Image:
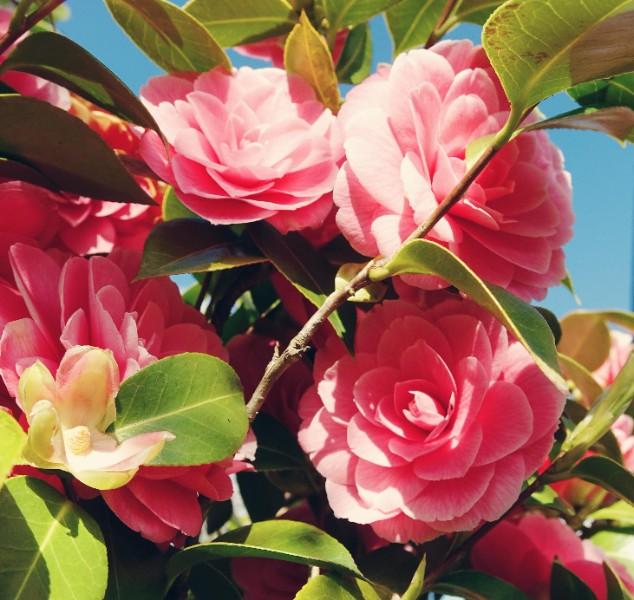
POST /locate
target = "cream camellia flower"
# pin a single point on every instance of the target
(68, 416)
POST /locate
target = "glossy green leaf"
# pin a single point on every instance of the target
(261, 498)
(13, 170)
(194, 246)
(196, 397)
(68, 152)
(584, 381)
(59, 59)
(306, 54)
(474, 11)
(541, 47)
(585, 338)
(615, 121)
(206, 582)
(23, 10)
(172, 207)
(49, 547)
(355, 62)
(618, 546)
(171, 37)
(415, 588)
(526, 324)
(347, 13)
(290, 541)
(565, 585)
(411, 22)
(234, 22)
(278, 449)
(12, 442)
(548, 500)
(333, 587)
(615, 91)
(615, 589)
(608, 407)
(622, 512)
(474, 585)
(607, 473)
(297, 260)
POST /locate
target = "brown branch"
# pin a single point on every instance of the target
(9, 38)
(438, 31)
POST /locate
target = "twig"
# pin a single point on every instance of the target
(33, 19)
(438, 31)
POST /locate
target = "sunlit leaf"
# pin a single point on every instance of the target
(171, 37)
(49, 547)
(12, 442)
(608, 474)
(527, 325)
(67, 152)
(541, 47)
(415, 589)
(411, 22)
(59, 59)
(194, 246)
(474, 11)
(582, 378)
(615, 91)
(234, 22)
(196, 397)
(618, 545)
(347, 13)
(333, 587)
(306, 54)
(622, 512)
(172, 207)
(585, 338)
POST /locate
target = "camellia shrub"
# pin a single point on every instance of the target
(356, 397)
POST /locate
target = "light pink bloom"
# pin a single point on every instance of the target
(620, 350)
(406, 130)
(57, 307)
(69, 414)
(434, 423)
(522, 551)
(245, 146)
(30, 85)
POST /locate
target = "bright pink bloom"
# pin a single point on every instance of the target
(434, 423)
(620, 350)
(30, 85)
(272, 49)
(93, 302)
(406, 130)
(245, 146)
(522, 552)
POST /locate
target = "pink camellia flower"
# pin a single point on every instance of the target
(93, 302)
(434, 423)
(68, 417)
(244, 146)
(272, 49)
(406, 130)
(30, 85)
(522, 552)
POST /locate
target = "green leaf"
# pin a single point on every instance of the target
(194, 246)
(261, 498)
(582, 378)
(378, 567)
(49, 547)
(169, 36)
(541, 47)
(371, 293)
(278, 450)
(290, 541)
(235, 22)
(615, 121)
(23, 10)
(196, 397)
(306, 54)
(620, 511)
(172, 207)
(615, 590)
(347, 13)
(355, 62)
(59, 59)
(67, 152)
(607, 409)
(565, 585)
(12, 442)
(607, 473)
(474, 11)
(297, 260)
(548, 500)
(12, 170)
(616, 91)
(415, 588)
(618, 545)
(585, 338)
(333, 587)
(411, 22)
(474, 585)
(207, 582)
(522, 320)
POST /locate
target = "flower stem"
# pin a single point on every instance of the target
(9, 38)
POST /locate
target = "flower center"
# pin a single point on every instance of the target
(424, 410)
(78, 439)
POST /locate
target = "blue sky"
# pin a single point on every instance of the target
(600, 254)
